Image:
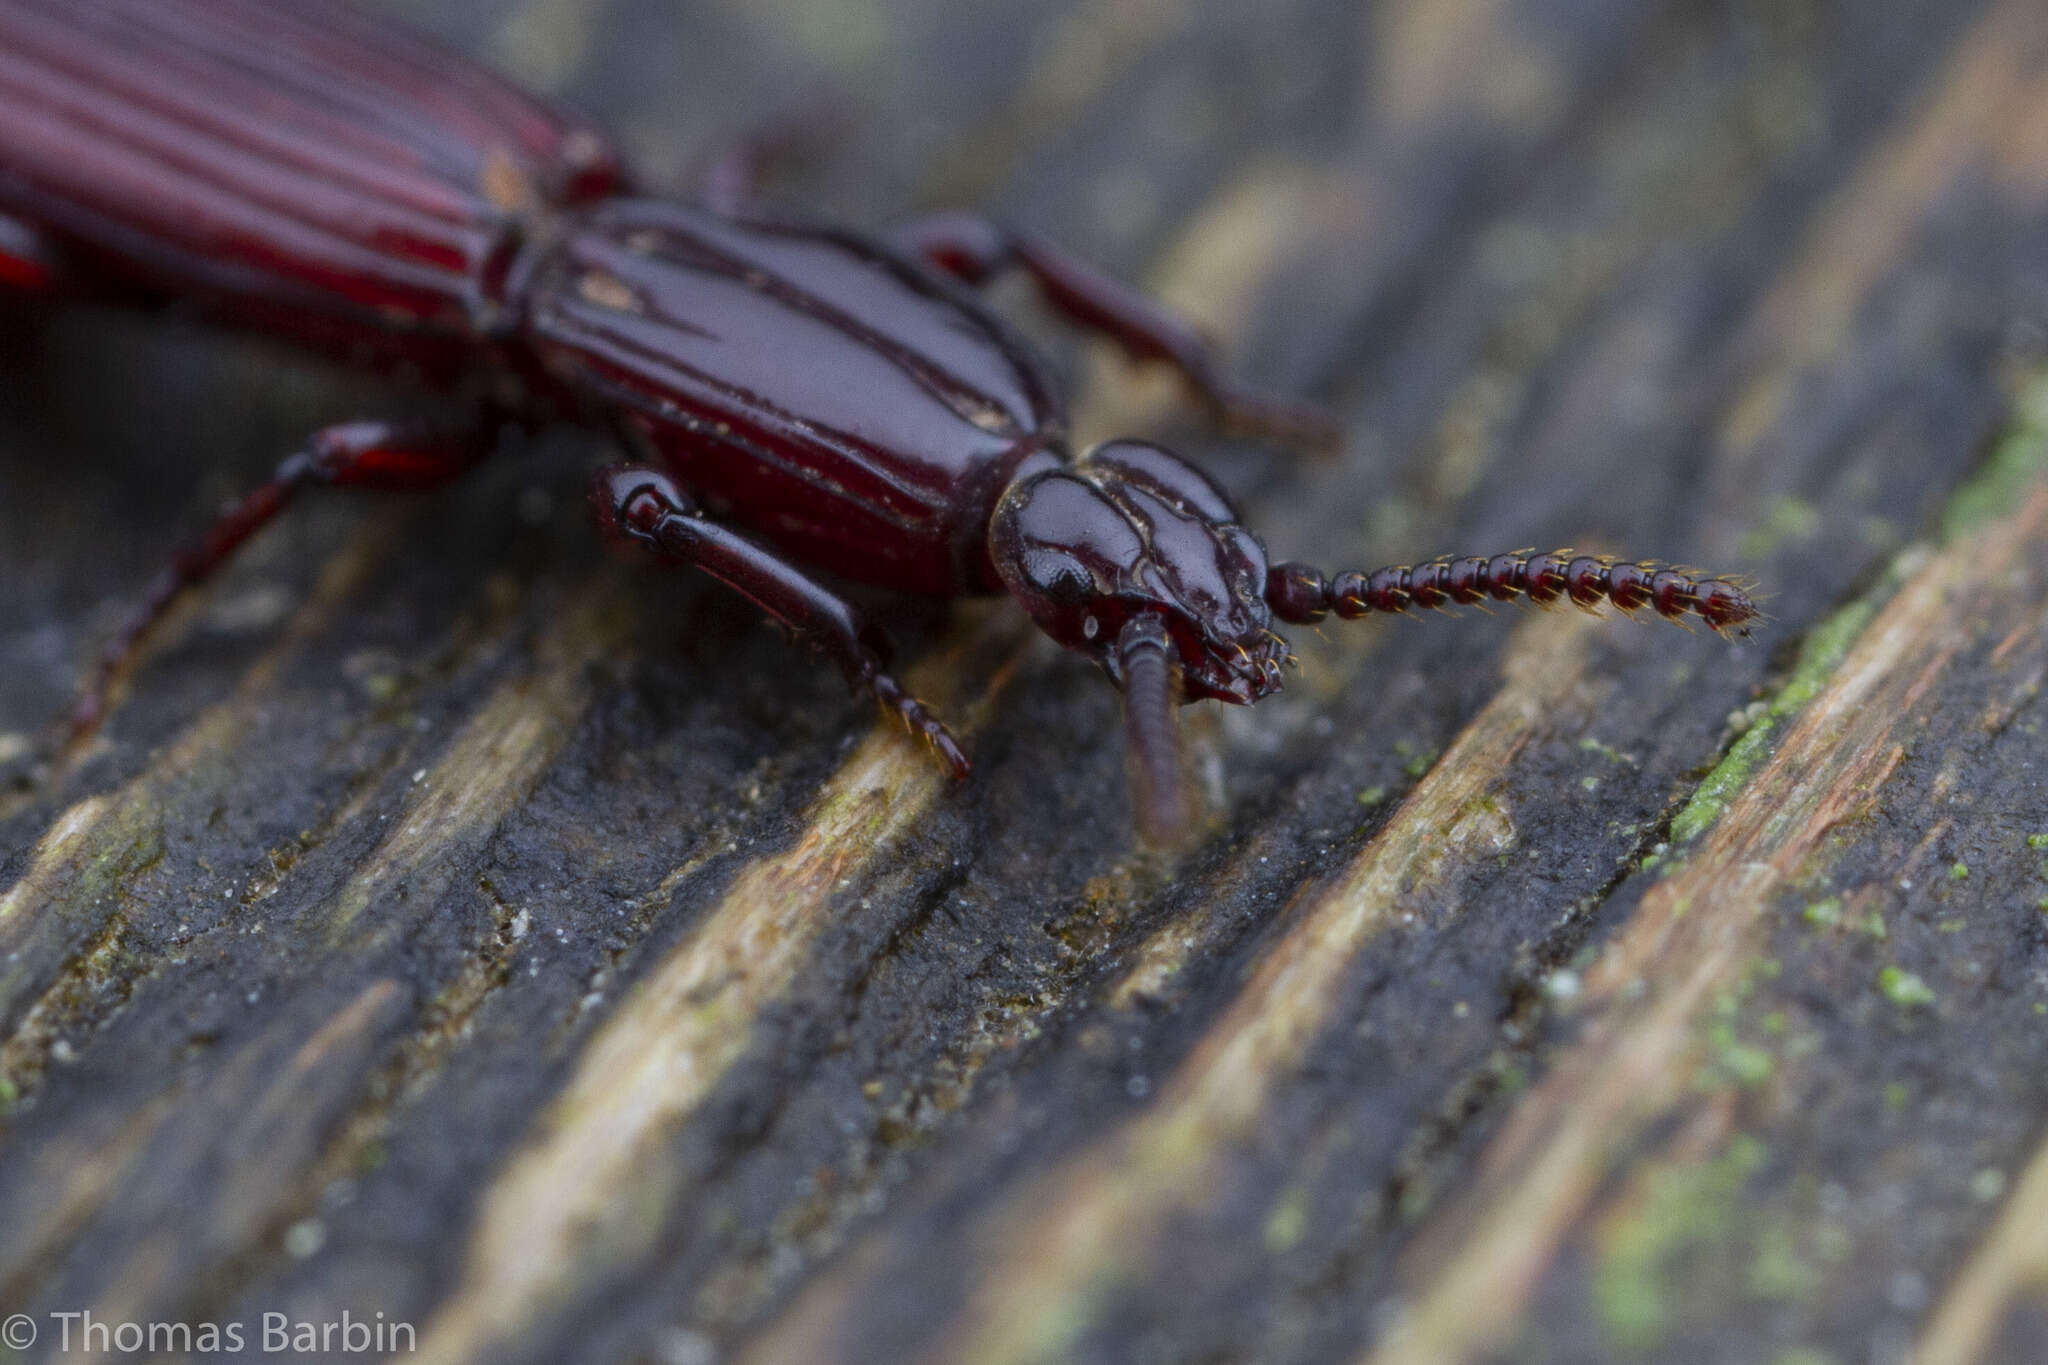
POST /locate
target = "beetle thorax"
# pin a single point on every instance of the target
(809, 386)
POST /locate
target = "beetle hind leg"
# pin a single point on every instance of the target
(646, 507)
(379, 455)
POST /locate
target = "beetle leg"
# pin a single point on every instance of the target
(646, 507)
(27, 261)
(728, 179)
(380, 455)
(973, 249)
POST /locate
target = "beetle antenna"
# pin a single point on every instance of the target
(1150, 671)
(1300, 593)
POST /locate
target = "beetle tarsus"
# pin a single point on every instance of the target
(920, 721)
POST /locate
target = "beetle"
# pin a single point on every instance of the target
(799, 401)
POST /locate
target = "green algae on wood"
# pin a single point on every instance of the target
(1904, 989)
(1821, 653)
(2015, 462)
(1676, 1209)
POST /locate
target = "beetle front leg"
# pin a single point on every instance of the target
(648, 508)
(380, 455)
(973, 249)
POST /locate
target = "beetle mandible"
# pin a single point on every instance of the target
(797, 398)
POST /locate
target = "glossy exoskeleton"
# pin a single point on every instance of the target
(797, 399)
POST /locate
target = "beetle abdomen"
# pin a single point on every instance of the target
(293, 167)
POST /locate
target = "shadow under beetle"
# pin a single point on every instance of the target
(796, 397)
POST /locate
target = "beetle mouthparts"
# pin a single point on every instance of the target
(1147, 660)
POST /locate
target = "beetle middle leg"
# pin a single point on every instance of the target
(647, 507)
(973, 249)
(728, 178)
(379, 455)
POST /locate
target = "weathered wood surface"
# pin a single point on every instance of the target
(457, 926)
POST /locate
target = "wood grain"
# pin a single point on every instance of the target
(458, 926)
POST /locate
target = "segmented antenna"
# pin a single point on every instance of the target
(1300, 593)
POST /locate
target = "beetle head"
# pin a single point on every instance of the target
(1131, 531)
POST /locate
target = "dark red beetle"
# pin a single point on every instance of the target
(305, 171)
